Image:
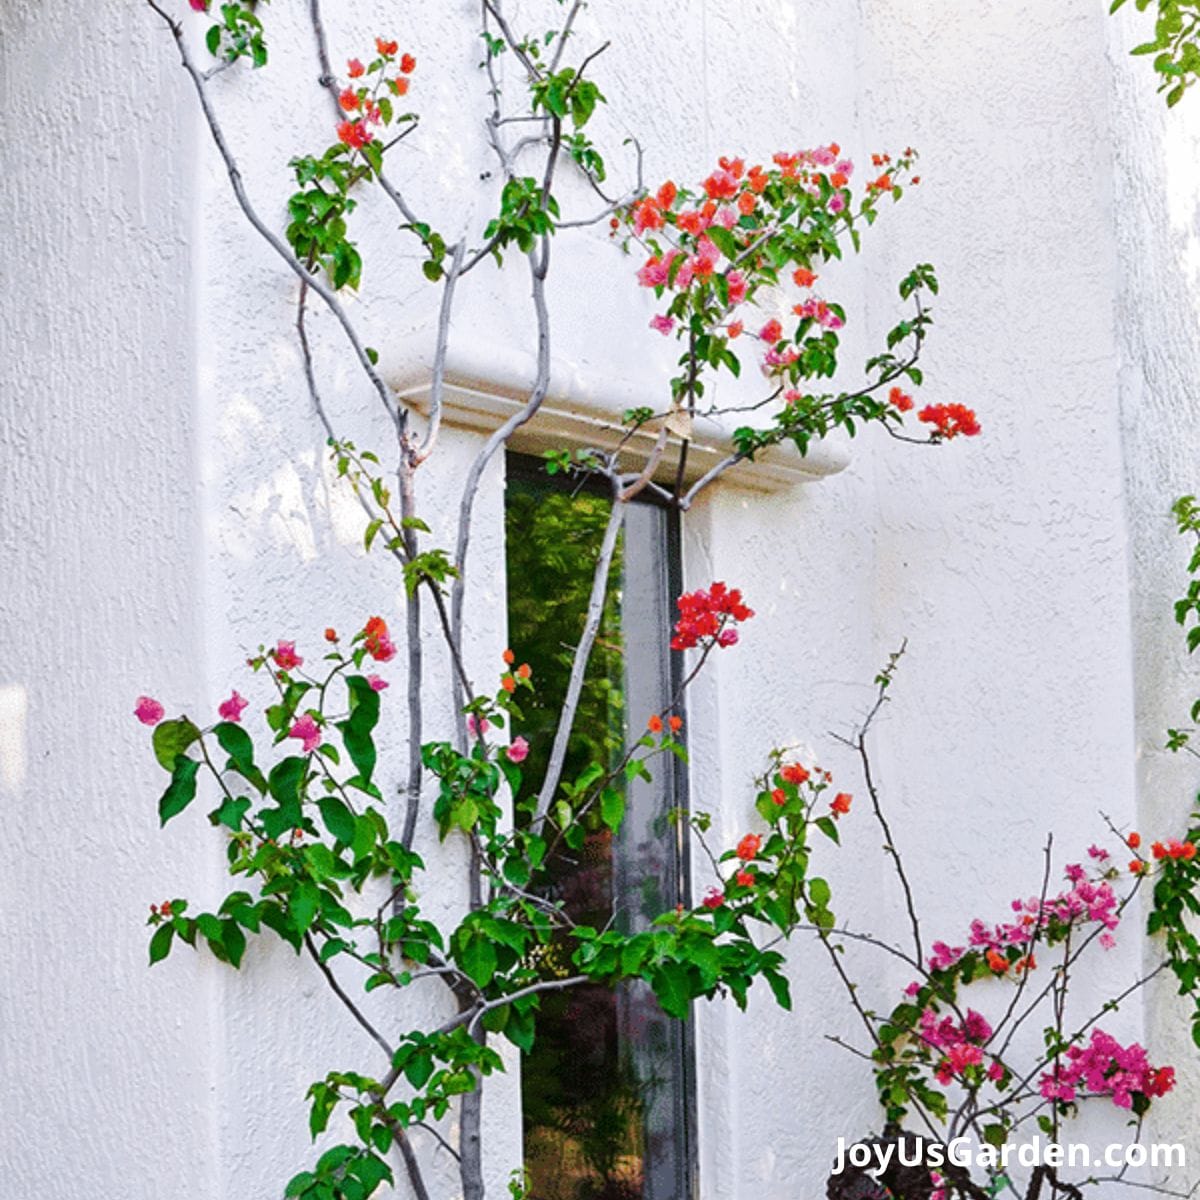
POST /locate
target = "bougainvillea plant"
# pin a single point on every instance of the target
(320, 849)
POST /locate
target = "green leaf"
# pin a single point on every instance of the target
(171, 739)
(670, 984)
(780, 988)
(612, 807)
(356, 729)
(286, 778)
(477, 956)
(160, 943)
(235, 741)
(339, 820)
(181, 791)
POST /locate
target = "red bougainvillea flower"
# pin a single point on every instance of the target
(518, 751)
(377, 640)
(771, 332)
(331, 634)
(231, 709)
(349, 100)
(408, 64)
(355, 69)
(744, 879)
(1174, 849)
(778, 796)
(713, 898)
(286, 658)
(377, 683)
(749, 847)
(794, 773)
(655, 724)
(900, 399)
(387, 49)
(705, 617)
(950, 420)
(675, 723)
(307, 731)
(1134, 840)
(841, 804)
(354, 134)
(148, 711)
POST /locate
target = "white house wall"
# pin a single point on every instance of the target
(166, 508)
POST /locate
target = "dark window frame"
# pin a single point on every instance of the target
(531, 470)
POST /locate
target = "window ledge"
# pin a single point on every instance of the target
(482, 395)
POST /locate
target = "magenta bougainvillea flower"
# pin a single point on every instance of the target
(231, 709)
(148, 711)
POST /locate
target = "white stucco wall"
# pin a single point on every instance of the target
(165, 510)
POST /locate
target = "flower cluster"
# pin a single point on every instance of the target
(368, 105)
(705, 246)
(1106, 1068)
(707, 618)
(958, 1044)
(1087, 900)
(949, 420)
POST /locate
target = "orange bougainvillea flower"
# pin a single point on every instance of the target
(508, 683)
(509, 657)
(746, 203)
(655, 724)
(749, 846)
(524, 671)
(331, 635)
(794, 773)
(841, 803)
(803, 277)
(997, 962)
(676, 723)
(387, 49)
(1136, 867)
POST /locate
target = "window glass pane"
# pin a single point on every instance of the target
(606, 1090)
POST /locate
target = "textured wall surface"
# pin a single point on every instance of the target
(165, 507)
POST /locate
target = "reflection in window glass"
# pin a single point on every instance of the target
(606, 1090)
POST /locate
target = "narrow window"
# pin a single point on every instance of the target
(607, 1091)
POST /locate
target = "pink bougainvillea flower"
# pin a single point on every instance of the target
(663, 324)
(518, 751)
(148, 711)
(377, 684)
(199, 5)
(477, 725)
(737, 287)
(231, 709)
(307, 731)
(286, 658)
(772, 331)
